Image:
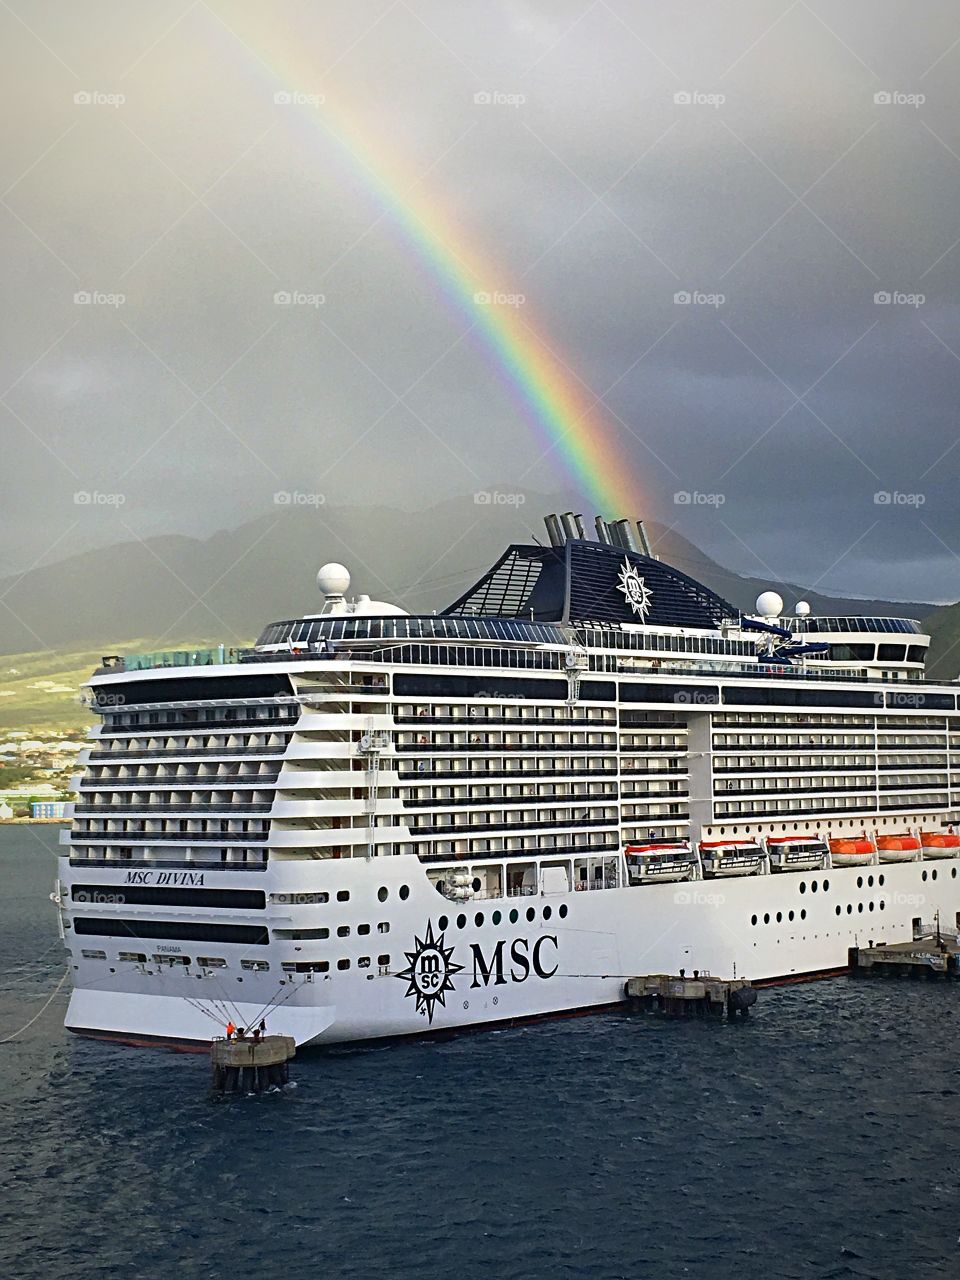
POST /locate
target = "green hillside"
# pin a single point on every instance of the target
(40, 692)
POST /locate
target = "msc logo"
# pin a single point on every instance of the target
(429, 972)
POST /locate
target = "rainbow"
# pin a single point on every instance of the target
(563, 413)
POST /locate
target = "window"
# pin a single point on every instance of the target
(137, 957)
(383, 926)
(383, 961)
(94, 955)
(363, 930)
(205, 962)
(343, 931)
(382, 893)
(343, 895)
(404, 892)
(255, 966)
(343, 964)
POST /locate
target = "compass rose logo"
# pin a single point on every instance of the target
(429, 972)
(635, 591)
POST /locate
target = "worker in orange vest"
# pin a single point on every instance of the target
(230, 1030)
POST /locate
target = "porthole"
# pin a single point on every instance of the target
(496, 917)
(813, 886)
(869, 882)
(547, 912)
(478, 919)
(826, 885)
(442, 923)
(923, 877)
(880, 881)
(803, 886)
(382, 893)
(870, 905)
(849, 908)
(883, 905)
(859, 882)
(779, 917)
(753, 919)
(343, 931)
(803, 913)
(839, 908)
(404, 892)
(563, 908)
(461, 922)
(953, 873)
(531, 914)
(933, 874)
(477, 884)
(343, 964)
(514, 916)
(766, 917)
(860, 908)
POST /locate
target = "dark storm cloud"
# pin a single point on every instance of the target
(787, 411)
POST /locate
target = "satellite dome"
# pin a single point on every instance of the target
(333, 579)
(803, 609)
(769, 604)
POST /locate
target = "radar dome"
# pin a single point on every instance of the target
(769, 604)
(333, 579)
(803, 609)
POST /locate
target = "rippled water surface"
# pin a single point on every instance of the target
(821, 1139)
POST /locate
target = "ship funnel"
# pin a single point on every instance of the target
(554, 530)
(569, 521)
(644, 540)
(625, 535)
(603, 531)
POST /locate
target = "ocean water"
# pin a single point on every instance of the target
(819, 1139)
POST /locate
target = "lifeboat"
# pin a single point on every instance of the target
(905, 848)
(936, 844)
(855, 852)
(651, 862)
(731, 857)
(797, 853)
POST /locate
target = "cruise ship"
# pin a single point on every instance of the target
(375, 824)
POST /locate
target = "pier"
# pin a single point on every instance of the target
(251, 1066)
(701, 996)
(934, 955)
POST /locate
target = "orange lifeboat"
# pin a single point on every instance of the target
(856, 852)
(937, 844)
(902, 848)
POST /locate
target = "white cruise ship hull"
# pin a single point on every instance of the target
(512, 970)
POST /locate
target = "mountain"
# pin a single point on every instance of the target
(230, 585)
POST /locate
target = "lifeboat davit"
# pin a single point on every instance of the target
(855, 852)
(660, 861)
(936, 844)
(797, 853)
(904, 848)
(731, 857)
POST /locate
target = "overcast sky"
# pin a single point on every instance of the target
(784, 196)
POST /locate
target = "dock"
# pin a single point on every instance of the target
(701, 996)
(251, 1066)
(934, 955)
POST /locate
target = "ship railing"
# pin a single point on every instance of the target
(185, 864)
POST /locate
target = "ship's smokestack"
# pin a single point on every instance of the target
(644, 540)
(554, 530)
(568, 519)
(603, 531)
(625, 535)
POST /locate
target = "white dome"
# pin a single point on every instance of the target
(333, 579)
(769, 604)
(803, 609)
